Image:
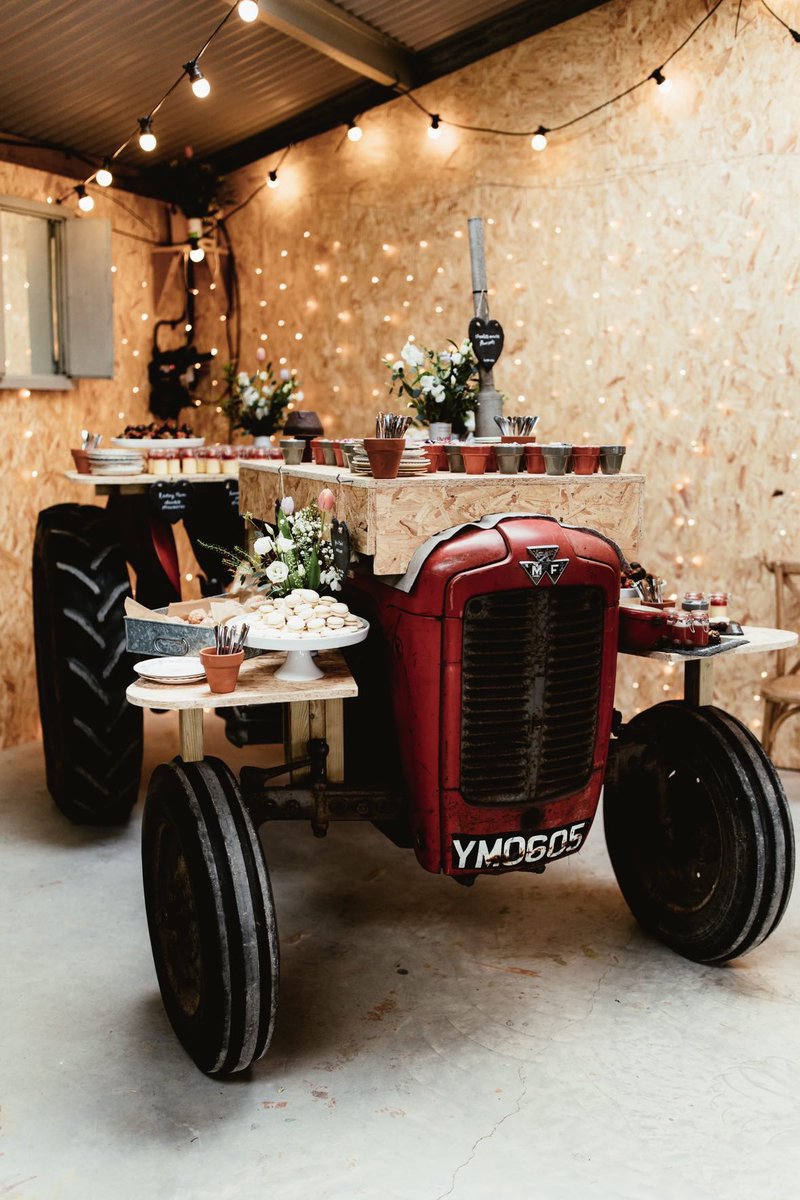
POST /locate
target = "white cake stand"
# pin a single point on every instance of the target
(300, 666)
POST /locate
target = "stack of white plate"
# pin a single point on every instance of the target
(116, 462)
(413, 462)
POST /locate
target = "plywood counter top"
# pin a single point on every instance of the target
(389, 519)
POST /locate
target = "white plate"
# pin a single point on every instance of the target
(174, 669)
(158, 443)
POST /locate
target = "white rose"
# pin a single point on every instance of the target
(277, 572)
(412, 355)
(283, 544)
(262, 545)
(428, 383)
(250, 395)
(243, 379)
(456, 358)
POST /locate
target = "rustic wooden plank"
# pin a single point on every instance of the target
(390, 519)
(256, 685)
(190, 724)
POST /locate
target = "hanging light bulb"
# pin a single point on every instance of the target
(354, 132)
(272, 179)
(248, 10)
(664, 84)
(539, 139)
(434, 131)
(196, 252)
(147, 139)
(85, 201)
(104, 177)
(200, 85)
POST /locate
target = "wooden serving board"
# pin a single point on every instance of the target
(390, 518)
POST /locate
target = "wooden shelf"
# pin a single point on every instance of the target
(389, 519)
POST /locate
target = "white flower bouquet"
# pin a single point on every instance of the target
(257, 403)
(441, 384)
(297, 553)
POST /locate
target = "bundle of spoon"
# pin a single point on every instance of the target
(230, 638)
(516, 426)
(391, 425)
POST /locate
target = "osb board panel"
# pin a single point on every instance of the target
(38, 431)
(638, 266)
(392, 519)
(259, 491)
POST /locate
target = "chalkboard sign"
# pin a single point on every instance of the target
(487, 340)
(232, 491)
(340, 541)
(171, 499)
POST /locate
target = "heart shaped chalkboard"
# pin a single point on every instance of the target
(171, 499)
(487, 339)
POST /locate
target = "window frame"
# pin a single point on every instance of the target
(58, 381)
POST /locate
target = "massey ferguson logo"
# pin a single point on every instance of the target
(543, 564)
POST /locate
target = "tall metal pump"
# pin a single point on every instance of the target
(485, 334)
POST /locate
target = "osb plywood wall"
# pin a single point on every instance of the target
(38, 430)
(644, 268)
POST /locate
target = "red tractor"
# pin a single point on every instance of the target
(482, 736)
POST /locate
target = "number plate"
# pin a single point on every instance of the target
(504, 851)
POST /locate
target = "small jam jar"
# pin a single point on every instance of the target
(718, 606)
(157, 462)
(173, 458)
(229, 460)
(188, 462)
(694, 602)
(213, 460)
(680, 626)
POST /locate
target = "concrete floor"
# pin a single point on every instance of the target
(519, 1039)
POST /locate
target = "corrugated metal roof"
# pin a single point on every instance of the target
(78, 73)
(419, 24)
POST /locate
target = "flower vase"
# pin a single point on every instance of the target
(440, 431)
(262, 439)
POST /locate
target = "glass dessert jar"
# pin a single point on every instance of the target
(213, 461)
(229, 460)
(157, 462)
(718, 606)
(188, 462)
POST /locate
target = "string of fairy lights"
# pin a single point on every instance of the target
(248, 11)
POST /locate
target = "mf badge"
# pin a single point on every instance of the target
(543, 564)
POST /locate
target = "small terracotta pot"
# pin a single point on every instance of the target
(292, 450)
(585, 460)
(384, 456)
(556, 458)
(316, 450)
(475, 459)
(534, 460)
(81, 460)
(435, 455)
(328, 452)
(611, 459)
(339, 454)
(222, 670)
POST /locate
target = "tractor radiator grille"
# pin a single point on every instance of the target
(530, 691)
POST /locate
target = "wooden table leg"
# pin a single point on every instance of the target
(317, 719)
(698, 681)
(190, 724)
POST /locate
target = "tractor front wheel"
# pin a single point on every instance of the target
(211, 916)
(698, 831)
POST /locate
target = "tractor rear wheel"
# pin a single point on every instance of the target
(92, 736)
(210, 914)
(698, 831)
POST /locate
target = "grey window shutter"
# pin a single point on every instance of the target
(88, 299)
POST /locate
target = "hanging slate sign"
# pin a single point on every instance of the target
(340, 541)
(171, 499)
(487, 340)
(232, 491)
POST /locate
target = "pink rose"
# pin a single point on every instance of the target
(326, 500)
(287, 506)
(261, 354)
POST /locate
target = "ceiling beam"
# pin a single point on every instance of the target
(346, 39)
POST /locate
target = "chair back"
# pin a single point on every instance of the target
(787, 604)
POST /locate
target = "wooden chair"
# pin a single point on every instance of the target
(781, 694)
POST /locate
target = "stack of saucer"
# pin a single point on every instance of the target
(413, 462)
(116, 462)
